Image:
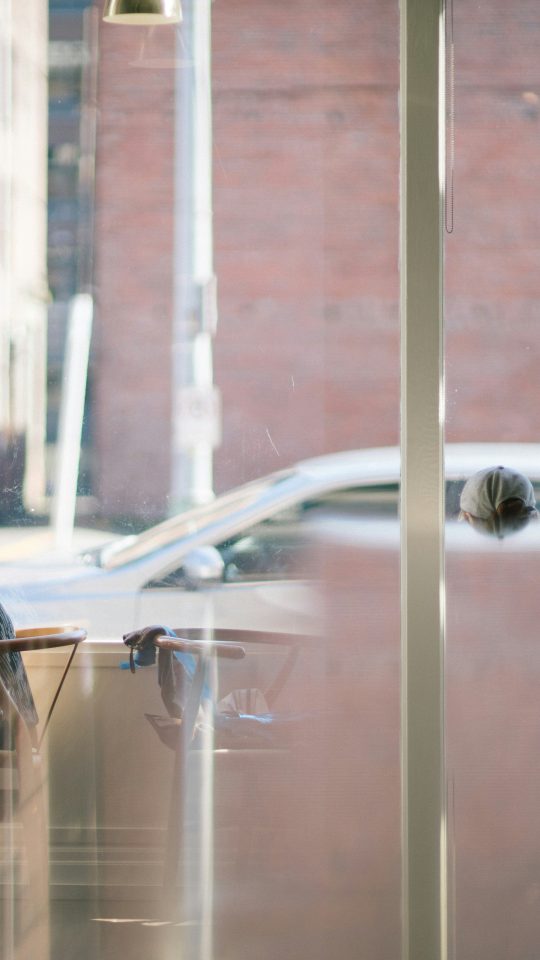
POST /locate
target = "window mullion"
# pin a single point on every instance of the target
(422, 488)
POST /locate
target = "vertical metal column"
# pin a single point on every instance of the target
(70, 426)
(195, 400)
(422, 496)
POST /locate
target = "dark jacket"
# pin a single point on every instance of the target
(13, 674)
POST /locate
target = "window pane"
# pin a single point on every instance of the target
(199, 349)
(492, 296)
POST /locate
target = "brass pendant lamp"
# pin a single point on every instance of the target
(144, 13)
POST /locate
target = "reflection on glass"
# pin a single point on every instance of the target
(274, 829)
(498, 501)
(492, 298)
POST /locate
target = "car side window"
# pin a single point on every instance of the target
(275, 548)
(267, 551)
(262, 553)
(174, 580)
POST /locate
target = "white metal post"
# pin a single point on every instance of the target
(71, 418)
(422, 496)
(195, 402)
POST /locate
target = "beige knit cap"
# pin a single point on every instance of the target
(486, 490)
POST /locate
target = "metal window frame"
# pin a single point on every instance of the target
(422, 483)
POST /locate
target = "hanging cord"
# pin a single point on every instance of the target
(450, 120)
(57, 694)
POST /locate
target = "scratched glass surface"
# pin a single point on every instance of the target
(492, 350)
(199, 322)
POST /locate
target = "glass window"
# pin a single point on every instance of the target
(491, 302)
(199, 333)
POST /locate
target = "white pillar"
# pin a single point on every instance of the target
(68, 450)
(195, 402)
(422, 488)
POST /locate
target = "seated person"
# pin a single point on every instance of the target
(13, 678)
(498, 501)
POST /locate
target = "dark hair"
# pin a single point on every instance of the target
(510, 516)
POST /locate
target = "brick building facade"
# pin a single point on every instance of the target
(306, 223)
(306, 220)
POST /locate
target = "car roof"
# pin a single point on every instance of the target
(373, 469)
(381, 465)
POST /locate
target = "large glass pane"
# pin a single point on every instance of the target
(492, 297)
(199, 416)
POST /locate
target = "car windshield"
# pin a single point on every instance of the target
(126, 549)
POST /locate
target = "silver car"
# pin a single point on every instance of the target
(246, 560)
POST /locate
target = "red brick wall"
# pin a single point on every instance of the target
(133, 275)
(306, 244)
(306, 201)
(493, 256)
(306, 238)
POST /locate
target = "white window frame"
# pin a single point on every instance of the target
(422, 484)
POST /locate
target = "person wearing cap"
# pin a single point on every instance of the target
(498, 501)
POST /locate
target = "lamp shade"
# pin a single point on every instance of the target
(142, 12)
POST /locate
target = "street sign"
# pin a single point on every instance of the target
(198, 417)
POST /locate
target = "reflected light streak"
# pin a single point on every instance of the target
(207, 824)
(144, 923)
(442, 103)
